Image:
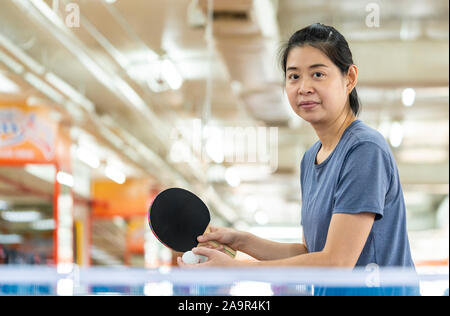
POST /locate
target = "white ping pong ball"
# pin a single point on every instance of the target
(190, 258)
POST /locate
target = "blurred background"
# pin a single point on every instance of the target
(105, 103)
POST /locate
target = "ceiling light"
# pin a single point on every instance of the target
(8, 86)
(10, 239)
(11, 63)
(115, 175)
(64, 178)
(21, 216)
(44, 88)
(195, 15)
(44, 172)
(3, 205)
(232, 177)
(396, 134)
(88, 157)
(69, 91)
(408, 96)
(214, 149)
(19, 54)
(44, 224)
(171, 74)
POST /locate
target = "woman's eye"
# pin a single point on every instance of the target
(318, 75)
(293, 76)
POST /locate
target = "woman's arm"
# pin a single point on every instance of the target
(346, 238)
(258, 248)
(347, 235)
(263, 249)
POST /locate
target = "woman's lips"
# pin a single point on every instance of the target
(308, 104)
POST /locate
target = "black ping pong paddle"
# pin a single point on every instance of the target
(177, 217)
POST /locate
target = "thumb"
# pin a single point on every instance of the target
(209, 236)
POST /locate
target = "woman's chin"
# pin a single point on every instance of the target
(311, 118)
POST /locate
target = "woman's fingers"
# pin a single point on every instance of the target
(208, 237)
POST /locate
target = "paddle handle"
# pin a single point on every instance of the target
(228, 250)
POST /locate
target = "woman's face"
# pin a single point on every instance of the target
(316, 88)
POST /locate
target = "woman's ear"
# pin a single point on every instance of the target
(352, 78)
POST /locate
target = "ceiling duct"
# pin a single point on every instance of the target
(247, 37)
(232, 17)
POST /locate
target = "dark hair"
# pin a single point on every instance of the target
(331, 43)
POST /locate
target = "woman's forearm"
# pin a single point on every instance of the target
(314, 259)
(263, 249)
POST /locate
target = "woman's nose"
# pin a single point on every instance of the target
(304, 88)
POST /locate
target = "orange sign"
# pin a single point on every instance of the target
(133, 198)
(27, 135)
(137, 226)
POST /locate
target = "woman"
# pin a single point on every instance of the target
(353, 211)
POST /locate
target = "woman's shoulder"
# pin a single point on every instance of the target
(361, 133)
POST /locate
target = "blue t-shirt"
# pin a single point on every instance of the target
(360, 175)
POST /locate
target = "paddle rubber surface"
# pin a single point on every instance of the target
(177, 217)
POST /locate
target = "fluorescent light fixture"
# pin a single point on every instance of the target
(232, 177)
(171, 74)
(215, 150)
(48, 12)
(44, 88)
(3, 205)
(115, 175)
(11, 63)
(396, 134)
(18, 53)
(44, 172)
(267, 17)
(103, 256)
(88, 157)
(21, 216)
(408, 96)
(130, 94)
(8, 86)
(10, 239)
(195, 15)
(67, 89)
(141, 71)
(110, 136)
(64, 178)
(43, 224)
(143, 66)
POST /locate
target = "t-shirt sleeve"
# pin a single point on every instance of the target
(364, 181)
(302, 176)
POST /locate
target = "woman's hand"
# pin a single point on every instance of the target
(215, 259)
(223, 235)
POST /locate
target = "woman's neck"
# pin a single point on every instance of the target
(330, 133)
